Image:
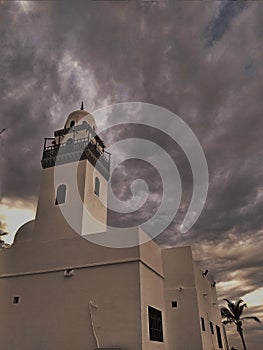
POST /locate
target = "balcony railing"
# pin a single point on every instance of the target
(76, 150)
(75, 128)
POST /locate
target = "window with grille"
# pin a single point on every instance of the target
(155, 324)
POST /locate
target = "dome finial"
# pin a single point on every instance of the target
(82, 106)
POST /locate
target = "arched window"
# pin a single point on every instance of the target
(70, 142)
(61, 194)
(85, 124)
(72, 123)
(97, 186)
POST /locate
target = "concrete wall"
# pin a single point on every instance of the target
(95, 208)
(183, 324)
(195, 296)
(50, 224)
(208, 309)
(151, 291)
(87, 218)
(54, 311)
(151, 288)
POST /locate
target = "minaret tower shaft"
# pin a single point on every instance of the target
(74, 185)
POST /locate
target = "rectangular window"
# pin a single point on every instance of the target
(155, 324)
(174, 303)
(219, 338)
(211, 327)
(203, 324)
(97, 186)
(16, 300)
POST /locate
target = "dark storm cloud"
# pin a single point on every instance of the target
(201, 60)
(39, 43)
(220, 24)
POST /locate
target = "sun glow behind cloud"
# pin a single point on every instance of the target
(228, 285)
(254, 298)
(14, 215)
(25, 5)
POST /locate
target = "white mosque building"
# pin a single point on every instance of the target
(60, 291)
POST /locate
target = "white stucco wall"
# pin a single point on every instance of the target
(95, 208)
(183, 326)
(50, 222)
(208, 309)
(53, 312)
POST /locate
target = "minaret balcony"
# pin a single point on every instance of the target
(91, 149)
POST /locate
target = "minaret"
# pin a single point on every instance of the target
(74, 186)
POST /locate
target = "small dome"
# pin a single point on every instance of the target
(78, 116)
(25, 232)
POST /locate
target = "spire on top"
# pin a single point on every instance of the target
(82, 106)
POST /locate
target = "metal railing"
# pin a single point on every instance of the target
(75, 150)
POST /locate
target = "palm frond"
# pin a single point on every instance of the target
(228, 301)
(226, 313)
(231, 305)
(240, 308)
(227, 321)
(238, 303)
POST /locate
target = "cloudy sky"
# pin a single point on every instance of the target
(200, 59)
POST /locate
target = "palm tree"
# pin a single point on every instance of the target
(2, 233)
(3, 244)
(233, 313)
